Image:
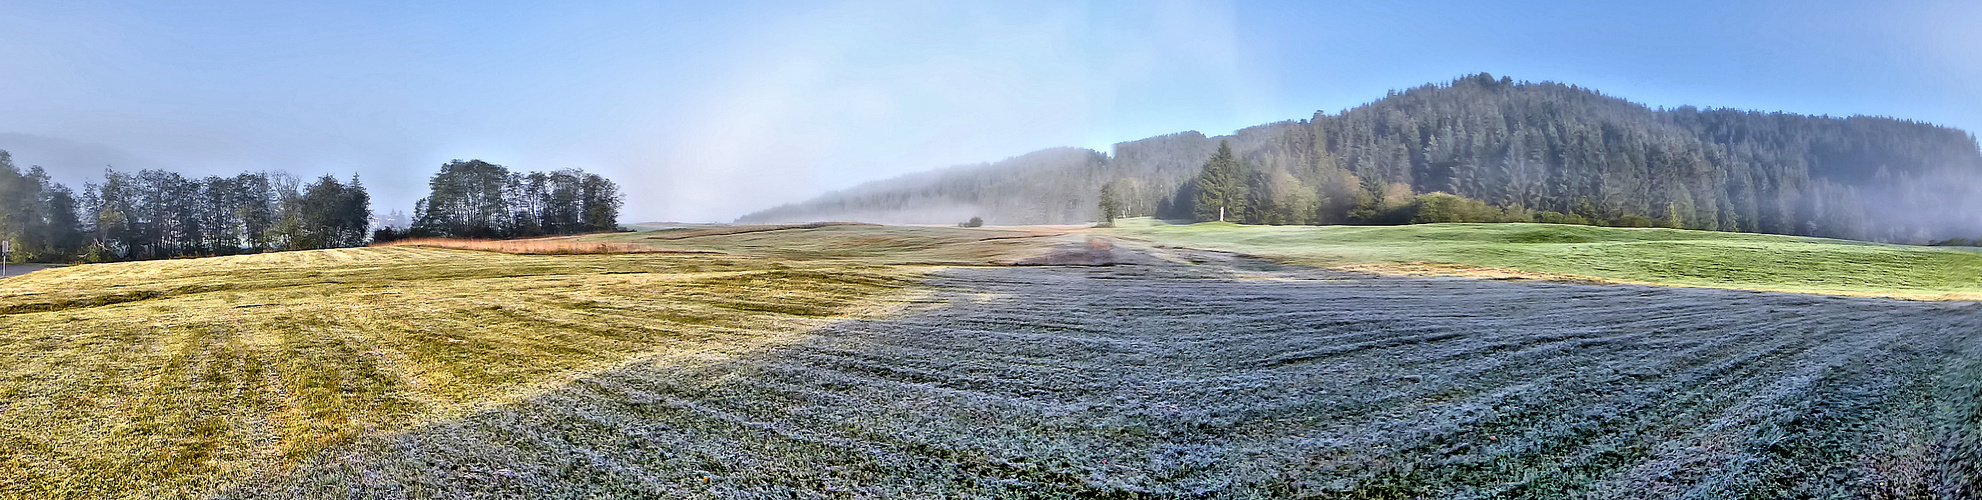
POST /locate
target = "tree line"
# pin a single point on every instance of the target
(1225, 190)
(477, 199)
(1529, 151)
(153, 214)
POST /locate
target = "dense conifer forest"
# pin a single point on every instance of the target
(1481, 149)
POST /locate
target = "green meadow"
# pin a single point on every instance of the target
(1636, 255)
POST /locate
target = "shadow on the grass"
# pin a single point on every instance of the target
(1161, 381)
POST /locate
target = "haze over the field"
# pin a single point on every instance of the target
(705, 113)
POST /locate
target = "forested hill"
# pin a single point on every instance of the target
(1048, 185)
(1533, 151)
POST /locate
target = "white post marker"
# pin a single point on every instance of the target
(6, 247)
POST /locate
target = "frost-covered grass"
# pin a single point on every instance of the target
(1210, 382)
(1641, 255)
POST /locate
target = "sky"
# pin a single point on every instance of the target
(705, 111)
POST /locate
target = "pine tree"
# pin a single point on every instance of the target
(1220, 187)
(1111, 204)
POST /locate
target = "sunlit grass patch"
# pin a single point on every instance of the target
(1629, 255)
(140, 380)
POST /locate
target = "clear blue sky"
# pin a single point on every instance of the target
(708, 110)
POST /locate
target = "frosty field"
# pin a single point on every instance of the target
(887, 362)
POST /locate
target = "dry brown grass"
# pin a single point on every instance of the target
(169, 379)
(679, 234)
(562, 245)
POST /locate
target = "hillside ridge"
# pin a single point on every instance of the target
(1535, 146)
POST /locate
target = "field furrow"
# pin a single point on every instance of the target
(1211, 381)
(200, 373)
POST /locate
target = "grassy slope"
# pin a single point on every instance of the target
(1657, 256)
(169, 379)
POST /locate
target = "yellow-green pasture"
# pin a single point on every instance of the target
(176, 378)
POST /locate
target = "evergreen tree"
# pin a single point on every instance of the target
(1220, 187)
(1110, 204)
(354, 214)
